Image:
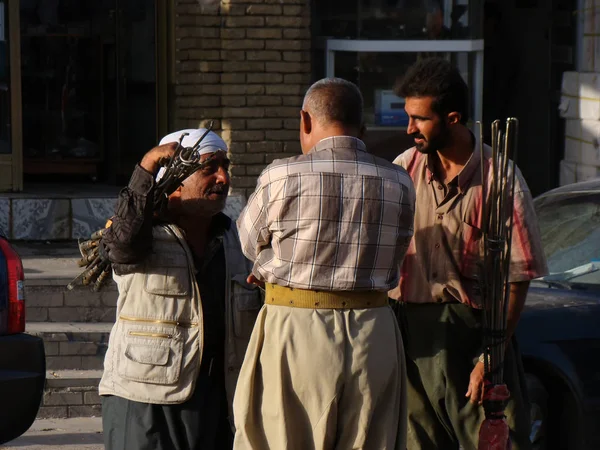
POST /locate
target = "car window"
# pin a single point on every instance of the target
(570, 232)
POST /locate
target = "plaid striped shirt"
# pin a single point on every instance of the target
(441, 264)
(335, 219)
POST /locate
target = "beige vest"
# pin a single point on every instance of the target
(155, 347)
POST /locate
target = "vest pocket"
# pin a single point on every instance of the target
(149, 354)
(168, 281)
(145, 354)
(167, 274)
(246, 305)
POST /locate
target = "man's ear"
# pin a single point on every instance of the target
(305, 122)
(176, 195)
(454, 118)
(174, 202)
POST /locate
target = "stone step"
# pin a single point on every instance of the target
(72, 345)
(48, 268)
(55, 303)
(71, 393)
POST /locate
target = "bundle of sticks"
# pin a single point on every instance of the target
(497, 225)
(173, 171)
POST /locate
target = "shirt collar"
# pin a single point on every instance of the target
(465, 176)
(334, 142)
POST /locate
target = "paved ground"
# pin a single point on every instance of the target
(52, 434)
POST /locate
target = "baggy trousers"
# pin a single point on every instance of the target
(442, 345)
(317, 379)
(200, 423)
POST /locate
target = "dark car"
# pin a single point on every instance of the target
(22, 357)
(559, 332)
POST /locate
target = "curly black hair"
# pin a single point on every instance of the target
(437, 78)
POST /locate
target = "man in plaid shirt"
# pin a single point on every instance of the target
(327, 231)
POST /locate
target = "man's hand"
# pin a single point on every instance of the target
(151, 160)
(518, 293)
(253, 280)
(476, 384)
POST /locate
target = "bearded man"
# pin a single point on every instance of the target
(440, 302)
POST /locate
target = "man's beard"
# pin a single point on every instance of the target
(435, 143)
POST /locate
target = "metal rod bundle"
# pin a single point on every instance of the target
(184, 162)
(498, 188)
(174, 170)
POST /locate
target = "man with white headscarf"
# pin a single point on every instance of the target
(184, 313)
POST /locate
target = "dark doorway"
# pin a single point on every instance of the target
(528, 46)
(89, 88)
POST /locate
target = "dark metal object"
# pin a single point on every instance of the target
(498, 189)
(174, 170)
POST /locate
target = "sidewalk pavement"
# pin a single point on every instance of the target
(82, 433)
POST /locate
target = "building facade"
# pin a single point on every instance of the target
(245, 65)
(93, 85)
(86, 88)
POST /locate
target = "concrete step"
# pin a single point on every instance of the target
(55, 303)
(72, 345)
(71, 393)
(49, 267)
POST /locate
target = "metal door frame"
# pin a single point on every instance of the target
(474, 46)
(11, 165)
(165, 41)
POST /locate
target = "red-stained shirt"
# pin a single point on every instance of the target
(442, 262)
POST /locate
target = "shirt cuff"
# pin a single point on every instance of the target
(141, 181)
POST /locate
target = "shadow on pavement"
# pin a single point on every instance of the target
(52, 438)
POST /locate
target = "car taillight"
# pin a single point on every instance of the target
(3, 294)
(13, 321)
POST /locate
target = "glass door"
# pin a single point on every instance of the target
(63, 57)
(136, 83)
(89, 87)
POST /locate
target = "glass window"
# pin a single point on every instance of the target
(570, 231)
(398, 19)
(373, 42)
(375, 73)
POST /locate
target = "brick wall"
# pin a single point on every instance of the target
(246, 65)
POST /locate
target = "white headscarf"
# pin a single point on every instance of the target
(211, 143)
